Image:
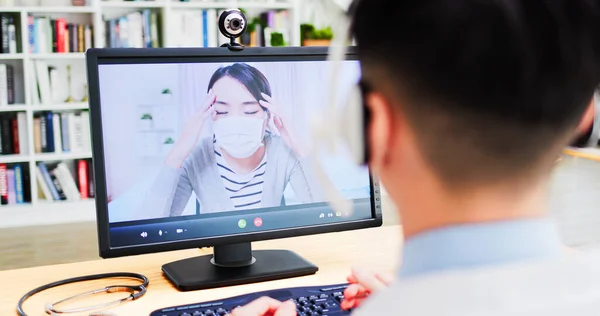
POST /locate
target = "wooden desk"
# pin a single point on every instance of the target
(335, 254)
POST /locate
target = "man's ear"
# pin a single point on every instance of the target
(585, 124)
(379, 129)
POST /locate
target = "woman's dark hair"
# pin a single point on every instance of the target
(250, 77)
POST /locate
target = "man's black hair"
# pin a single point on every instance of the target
(492, 88)
(254, 80)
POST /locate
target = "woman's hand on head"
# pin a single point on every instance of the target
(191, 132)
(280, 123)
(266, 306)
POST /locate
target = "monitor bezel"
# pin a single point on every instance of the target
(96, 57)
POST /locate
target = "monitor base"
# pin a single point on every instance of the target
(235, 265)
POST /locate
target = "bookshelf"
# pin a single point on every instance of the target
(95, 13)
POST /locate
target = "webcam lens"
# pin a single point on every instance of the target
(235, 24)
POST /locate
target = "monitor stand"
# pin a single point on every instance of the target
(236, 264)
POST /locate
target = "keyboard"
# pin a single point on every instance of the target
(311, 301)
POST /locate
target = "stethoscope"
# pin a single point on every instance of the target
(135, 292)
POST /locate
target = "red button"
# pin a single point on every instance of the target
(258, 222)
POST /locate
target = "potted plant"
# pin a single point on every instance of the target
(277, 39)
(312, 36)
(146, 121)
(166, 95)
(167, 144)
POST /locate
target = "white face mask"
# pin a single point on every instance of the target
(240, 137)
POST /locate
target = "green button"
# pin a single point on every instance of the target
(242, 223)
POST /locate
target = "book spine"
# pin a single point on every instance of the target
(19, 184)
(10, 84)
(58, 186)
(22, 125)
(80, 39)
(26, 186)
(57, 133)
(3, 84)
(31, 29)
(65, 132)
(46, 175)
(87, 34)
(72, 37)
(82, 179)
(3, 185)
(43, 133)
(61, 24)
(67, 40)
(4, 22)
(7, 146)
(37, 135)
(12, 39)
(10, 180)
(54, 34)
(15, 135)
(50, 131)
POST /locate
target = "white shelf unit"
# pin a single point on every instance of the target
(41, 212)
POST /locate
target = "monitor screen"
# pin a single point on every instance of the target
(195, 149)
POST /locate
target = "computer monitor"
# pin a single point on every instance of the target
(209, 147)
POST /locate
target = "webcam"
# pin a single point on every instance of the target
(233, 24)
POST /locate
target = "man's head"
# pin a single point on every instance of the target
(477, 92)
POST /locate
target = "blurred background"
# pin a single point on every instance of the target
(43, 83)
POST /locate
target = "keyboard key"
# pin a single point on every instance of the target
(338, 293)
(221, 312)
(313, 297)
(209, 313)
(197, 313)
(185, 314)
(323, 296)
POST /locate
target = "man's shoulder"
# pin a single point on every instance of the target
(571, 284)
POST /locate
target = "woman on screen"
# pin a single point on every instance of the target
(243, 165)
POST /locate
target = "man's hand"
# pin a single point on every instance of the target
(266, 306)
(362, 284)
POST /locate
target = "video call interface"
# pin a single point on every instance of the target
(195, 150)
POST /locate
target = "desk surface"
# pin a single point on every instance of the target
(335, 254)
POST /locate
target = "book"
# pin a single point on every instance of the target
(49, 132)
(14, 124)
(82, 178)
(67, 182)
(12, 39)
(10, 180)
(19, 188)
(43, 185)
(66, 142)
(57, 133)
(57, 185)
(37, 135)
(45, 175)
(61, 25)
(4, 37)
(10, 85)
(22, 130)
(3, 84)
(44, 133)
(6, 130)
(3, 185)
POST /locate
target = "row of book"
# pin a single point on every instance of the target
(194, 28)
(46, 88)
(7, 85)
(14, 184)
(8, 34)
(267, 24)
(13, 133)
(48, 35)
(135, 30)
(59, 183)
(56, 132)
